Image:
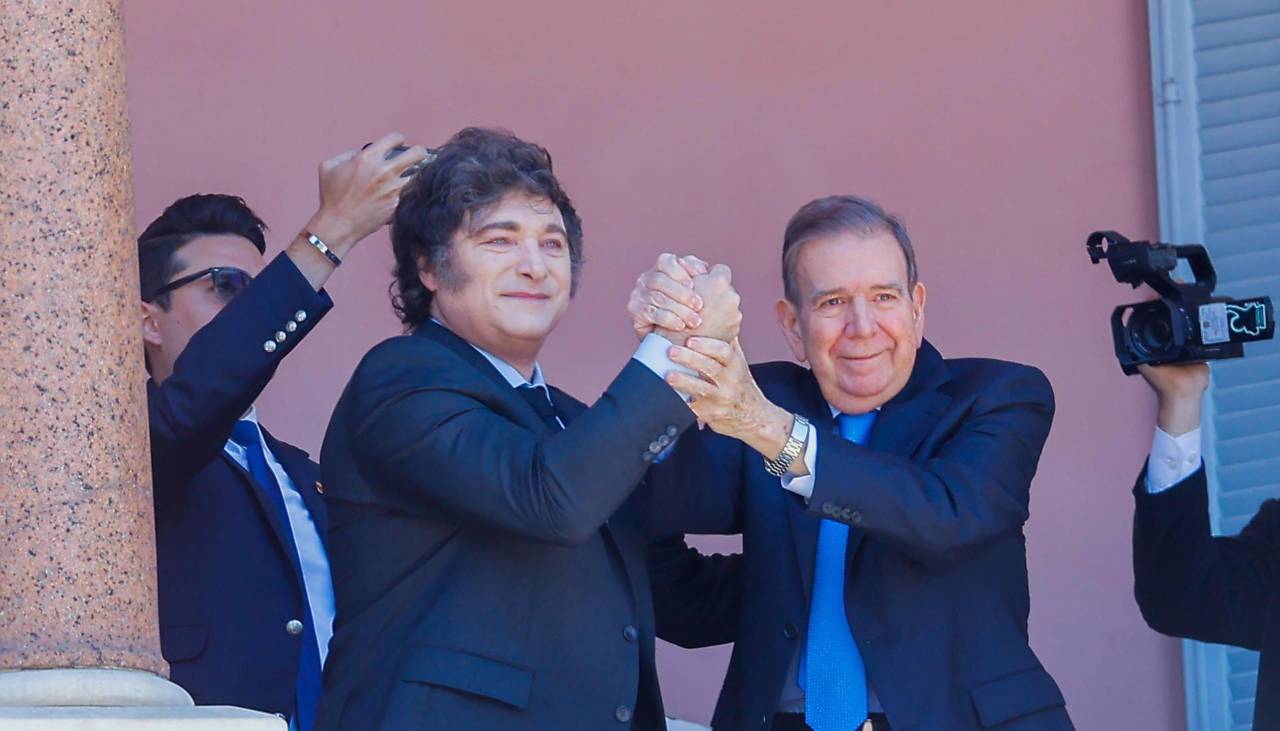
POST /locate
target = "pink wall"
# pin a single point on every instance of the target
(1002, 131)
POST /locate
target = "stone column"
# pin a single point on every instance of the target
(78, 622)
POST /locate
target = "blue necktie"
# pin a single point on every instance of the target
(835, 692)
(245, 433)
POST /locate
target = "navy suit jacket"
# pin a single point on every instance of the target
(936, 589)
(487, 573)
(1222, 589)
(228, 579)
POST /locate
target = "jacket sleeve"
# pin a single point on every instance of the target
(225, 366)
(697, 598)
(1191, 584)
(975, 486)
(696, 489)
(426, 436)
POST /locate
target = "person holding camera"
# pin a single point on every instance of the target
(1189, 583)
(245, 597)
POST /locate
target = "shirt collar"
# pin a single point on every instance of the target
(508, 371)
(837, 412)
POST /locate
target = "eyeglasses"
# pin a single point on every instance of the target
(227, 282)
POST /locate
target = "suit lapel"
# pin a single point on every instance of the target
(516, 406)
(297, 464)
(804, 525)
(282, 533)
(900, 427)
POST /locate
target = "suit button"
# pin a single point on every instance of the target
(319, 487)
(672, 432)
(630, 633)
(290, 326)
(293, 627)
(269, 346)
(829, 508)
(300, 316)
(623, 714)
(280, 336)
(647, 456)
(855, 516)
(655, 447)
(790, 631)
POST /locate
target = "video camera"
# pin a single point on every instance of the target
(1187, 324)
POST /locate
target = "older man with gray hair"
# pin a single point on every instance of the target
(881, 494)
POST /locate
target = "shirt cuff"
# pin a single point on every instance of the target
(1173, 459)
(652, 354)
(803, 485)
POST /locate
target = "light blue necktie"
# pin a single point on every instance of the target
(835, 692)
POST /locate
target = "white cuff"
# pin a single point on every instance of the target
(1172, 459)
(652, 353)
(803, 486)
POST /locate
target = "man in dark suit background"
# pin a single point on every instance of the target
(486, 570)
(880, 493)
(1189, 583)
(245, 599)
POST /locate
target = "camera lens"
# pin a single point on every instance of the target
(1150, 332)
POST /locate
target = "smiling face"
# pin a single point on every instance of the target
(857, 320)
(508, 278)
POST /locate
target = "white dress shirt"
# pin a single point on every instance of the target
(316, 578)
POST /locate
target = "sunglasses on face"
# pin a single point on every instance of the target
(227, 282)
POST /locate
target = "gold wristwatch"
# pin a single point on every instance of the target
(791, 450)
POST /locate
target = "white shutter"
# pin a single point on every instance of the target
(1216, 73)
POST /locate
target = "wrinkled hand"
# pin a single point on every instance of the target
(1179, 391)
(359, 190)
(726, 396)
(683, 296)
(721, 305)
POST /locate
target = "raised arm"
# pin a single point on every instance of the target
(425, 432)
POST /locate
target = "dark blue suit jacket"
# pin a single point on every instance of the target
(228, 581)
(936, 592)
(1222, 589)
(487, 573)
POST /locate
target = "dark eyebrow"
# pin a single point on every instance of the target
(513, 226)
(496, 226)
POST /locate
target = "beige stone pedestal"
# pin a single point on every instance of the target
(79, 642)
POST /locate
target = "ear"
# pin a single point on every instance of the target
(150, 325)
(917, 311)
(427, 276)
(789, 321)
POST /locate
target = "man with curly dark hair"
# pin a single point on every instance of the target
(487, 572)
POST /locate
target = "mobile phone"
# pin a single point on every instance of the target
(409, 172)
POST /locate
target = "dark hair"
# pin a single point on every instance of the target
(840, 214)
(474, 169)
(203, 214)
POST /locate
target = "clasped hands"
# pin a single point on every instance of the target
(695, 306)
